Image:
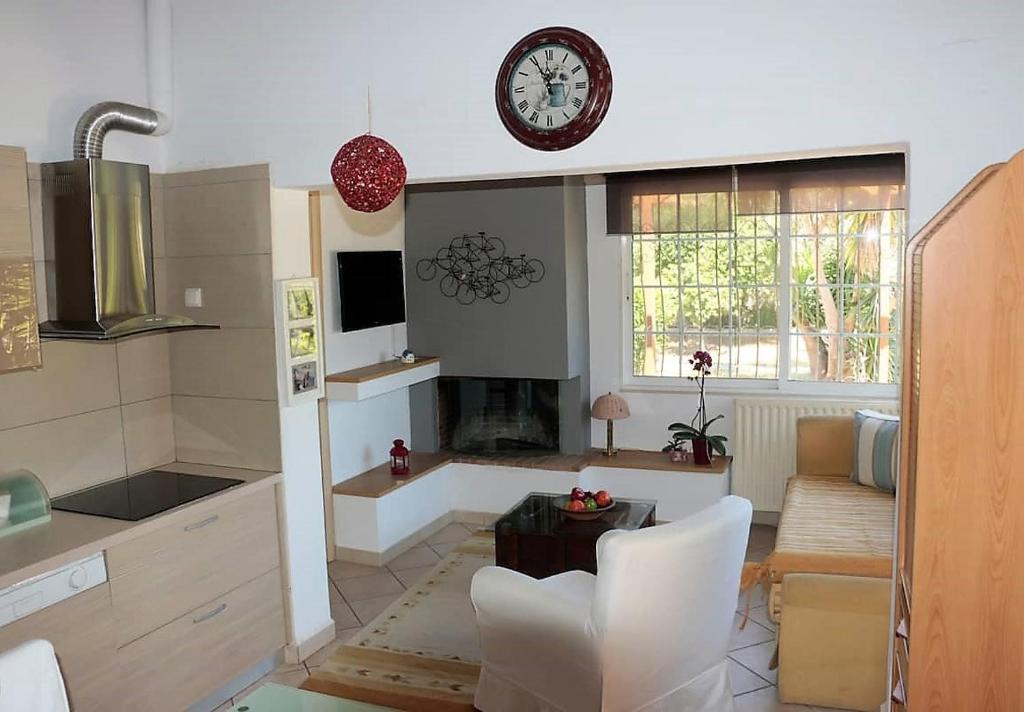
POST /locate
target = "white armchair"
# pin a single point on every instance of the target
(649, 633)
(30, 679)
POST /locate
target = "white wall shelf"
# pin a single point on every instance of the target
(371, 381)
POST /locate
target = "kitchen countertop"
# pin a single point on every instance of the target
(69, 537)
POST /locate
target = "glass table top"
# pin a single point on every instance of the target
(536, 514)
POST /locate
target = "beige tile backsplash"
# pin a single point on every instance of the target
(67, 453)
(144, 367)
(97, 411)
(227, 431)
(70, 421)
(224, 383)
(77, 377)
(227, 363)
(148, 433)
(237, 289)
(209, 176)
(218, 219)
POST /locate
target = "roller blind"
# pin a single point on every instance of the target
(654, 202)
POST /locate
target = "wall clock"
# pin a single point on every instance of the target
(553, 88)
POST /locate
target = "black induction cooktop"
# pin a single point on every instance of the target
(143, 495)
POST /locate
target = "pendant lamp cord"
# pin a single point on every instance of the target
(369, 111)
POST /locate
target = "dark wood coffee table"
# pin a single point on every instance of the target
(539, 540)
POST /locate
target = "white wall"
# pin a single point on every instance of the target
(59, 57)
(361, 431)
(303, 536)
(694, 82)
(343, 230)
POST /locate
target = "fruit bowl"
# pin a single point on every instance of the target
(562, 504)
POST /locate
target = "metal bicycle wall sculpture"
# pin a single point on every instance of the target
(476, 267)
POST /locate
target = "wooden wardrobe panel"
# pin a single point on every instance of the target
(961, 539)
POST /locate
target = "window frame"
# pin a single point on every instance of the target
(782, 385)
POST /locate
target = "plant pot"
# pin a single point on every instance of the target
(676, 455)
(701, 451)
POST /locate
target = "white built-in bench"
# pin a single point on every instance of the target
(378, 516)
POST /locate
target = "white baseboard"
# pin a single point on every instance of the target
(300, 651)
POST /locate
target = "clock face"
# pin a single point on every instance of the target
(549, 87)
(553, 89)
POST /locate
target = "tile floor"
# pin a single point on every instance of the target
(359, 593)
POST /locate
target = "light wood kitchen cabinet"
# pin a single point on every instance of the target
(81, 630)
(194, 655)
(160, 576)
(19, 328)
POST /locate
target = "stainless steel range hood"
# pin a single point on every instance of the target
(98, 212)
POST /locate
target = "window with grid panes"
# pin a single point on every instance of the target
(783, 272)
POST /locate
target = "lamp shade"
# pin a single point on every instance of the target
(368, 173)
(610, 407)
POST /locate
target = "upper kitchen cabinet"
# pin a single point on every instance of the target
(19, 328)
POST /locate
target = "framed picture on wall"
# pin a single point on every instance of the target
(299, 348)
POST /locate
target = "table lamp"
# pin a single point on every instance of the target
(610, 407)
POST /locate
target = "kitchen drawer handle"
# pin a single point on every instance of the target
(215, 612)
(200, 525)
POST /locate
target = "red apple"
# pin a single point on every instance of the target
(576, 505)
(602, 498)
(577, 494)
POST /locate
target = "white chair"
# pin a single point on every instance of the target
(649, 633)
(30, 679)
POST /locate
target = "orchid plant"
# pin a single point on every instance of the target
(697, 430)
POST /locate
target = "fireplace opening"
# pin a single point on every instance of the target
(498, 415)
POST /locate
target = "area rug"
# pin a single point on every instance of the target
(422, 653)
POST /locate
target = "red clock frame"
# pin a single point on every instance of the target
(589, 117)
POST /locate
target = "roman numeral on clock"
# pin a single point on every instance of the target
(534, 116)
(551, 120)
(577, 68)
(519, 90)
(581, 85)
(523, 105)
(577, 102)
(549, 54)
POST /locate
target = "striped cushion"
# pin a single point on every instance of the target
(876, 443)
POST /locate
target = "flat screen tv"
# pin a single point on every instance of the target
(372, 289)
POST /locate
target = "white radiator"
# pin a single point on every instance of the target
(764, 443)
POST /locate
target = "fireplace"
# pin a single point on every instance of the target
(498, 415)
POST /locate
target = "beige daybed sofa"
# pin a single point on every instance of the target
(830, 574)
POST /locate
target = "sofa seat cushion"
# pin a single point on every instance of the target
(830, 525)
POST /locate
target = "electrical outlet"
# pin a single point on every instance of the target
(193, 296)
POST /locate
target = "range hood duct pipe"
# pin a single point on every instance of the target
(107, 116)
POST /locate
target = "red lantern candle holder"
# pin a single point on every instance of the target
(399, 458)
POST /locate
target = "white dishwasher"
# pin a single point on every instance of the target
(39, 592)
